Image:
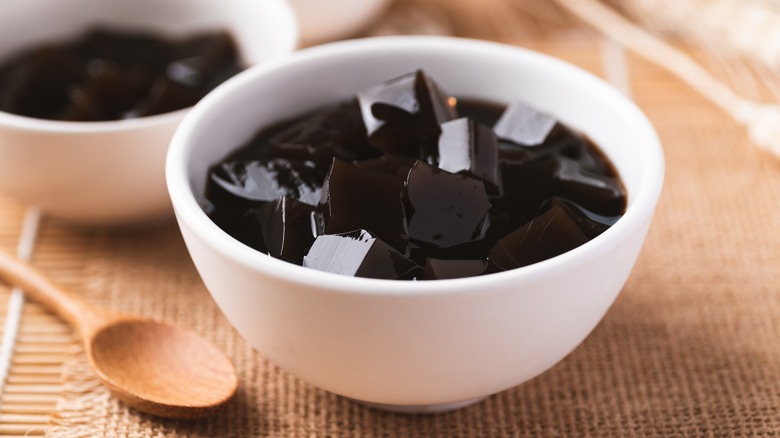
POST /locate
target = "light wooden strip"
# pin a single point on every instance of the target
(24, 436)
(42, 319)
(44, 347)
(24, 419)
(43, 329)
(29, 309)
(39, 359)
(33, 389)
(22, 430)
(45, 356)
(37, 338)
(38, 369)
(33, 386)
(23, 379)
(21, 408)
(48, 399)
(11, 325)
(13, 320)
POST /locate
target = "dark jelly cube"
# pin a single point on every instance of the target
(402, 116)
(444, 209)
(524, 125)
(566, 142)
(526, 181)
(590, 223)
(388, 164)
(107, 94)
(601, 194)
(124, 48)
(544, 237)
(509, 152)
(355, 198)
(437, 269)
(332, 132)
(593, 161)
(359, 254)
(286, 226)
(482, 111)
(204, 61)
(252, 226)
(165, 96)
(562, 141)
(30, 89)
(475, 249)
(471, 147)
(267, 180)
(228, 212)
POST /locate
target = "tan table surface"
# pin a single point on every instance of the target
(690, 348)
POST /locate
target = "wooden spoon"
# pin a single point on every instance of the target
(153, 367)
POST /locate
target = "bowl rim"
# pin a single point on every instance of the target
(190, 214)
(32, 124)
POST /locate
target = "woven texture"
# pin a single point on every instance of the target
(690, 347)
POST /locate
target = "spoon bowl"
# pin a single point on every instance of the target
(174, 373)
(156, 368)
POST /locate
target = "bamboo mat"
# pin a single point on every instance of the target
(689, 349)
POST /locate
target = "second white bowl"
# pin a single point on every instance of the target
(113, 172)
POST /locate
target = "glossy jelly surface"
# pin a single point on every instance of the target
(404, 181)
(113, 75)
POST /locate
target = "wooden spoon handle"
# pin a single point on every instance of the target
(69, 306)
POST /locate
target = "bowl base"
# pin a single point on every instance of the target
(420, 409)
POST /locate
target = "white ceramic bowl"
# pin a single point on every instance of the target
(114, 172)
(415, 346)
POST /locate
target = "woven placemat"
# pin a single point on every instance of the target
(690, 348)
